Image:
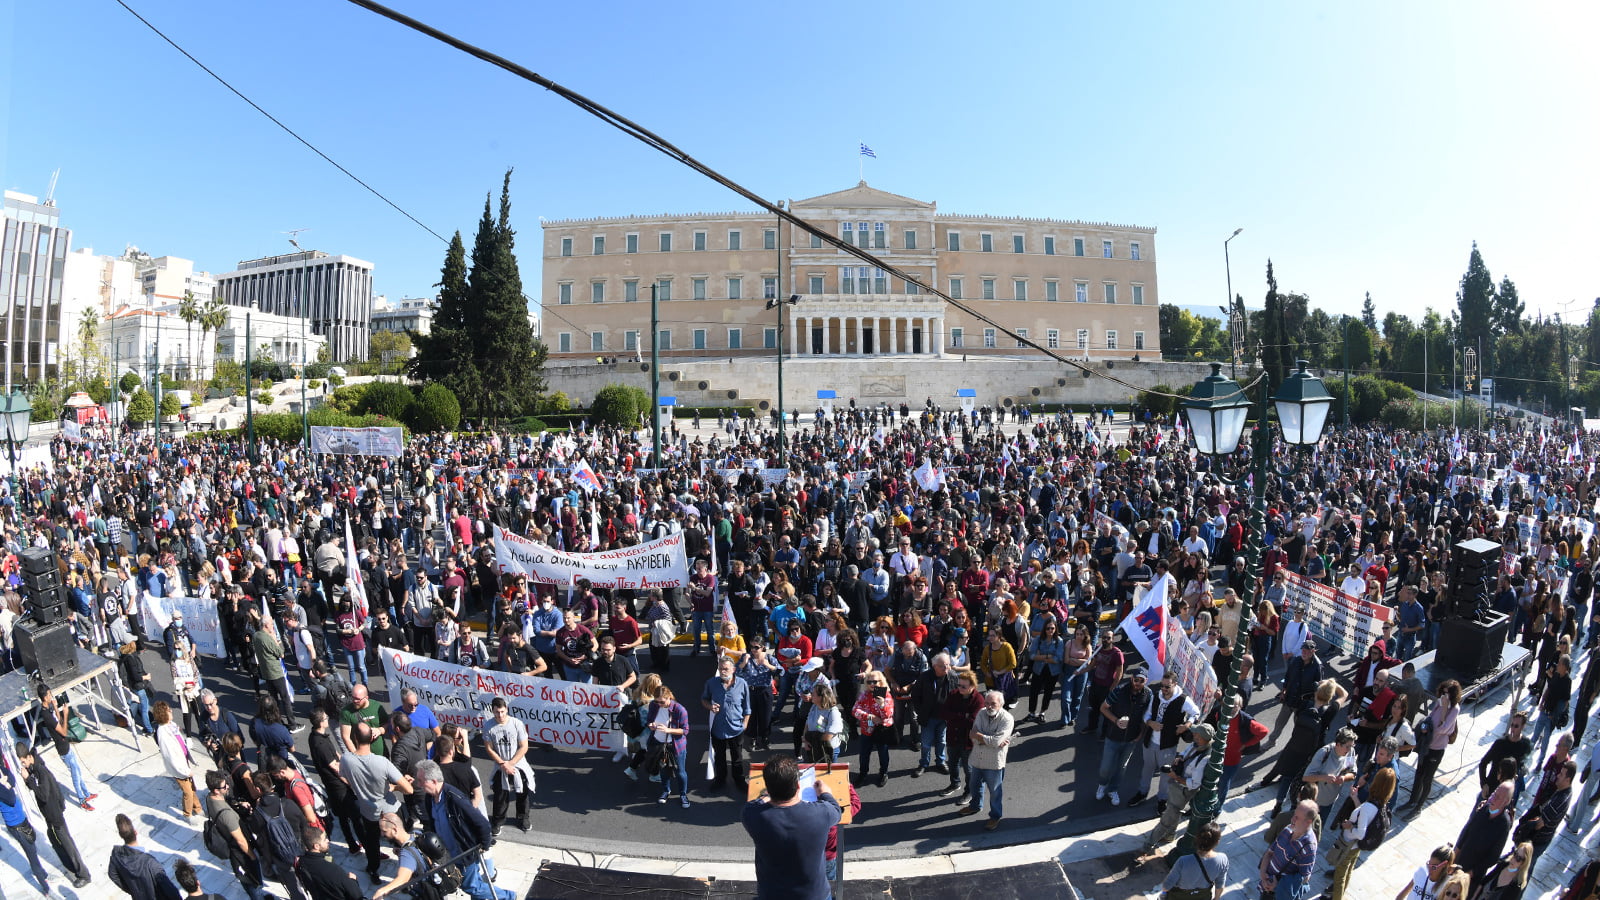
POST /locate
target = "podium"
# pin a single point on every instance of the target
(835, 775)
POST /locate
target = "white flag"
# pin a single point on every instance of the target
(357, 585)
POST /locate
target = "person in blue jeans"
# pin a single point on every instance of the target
(137, 680)
(1286, 869)
(668, 724)
(928, 696)
(1125, 710)
(703, 607)
(1075, 674)
(53, 719)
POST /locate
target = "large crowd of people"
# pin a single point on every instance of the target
(910, 580)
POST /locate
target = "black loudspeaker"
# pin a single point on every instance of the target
(1472, 645)
(38, 561)
(1474, 572)
(49, 605)
(48, 651)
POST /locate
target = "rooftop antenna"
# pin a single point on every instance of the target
(50, 196)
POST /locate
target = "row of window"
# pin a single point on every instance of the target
(871, 235)
(853, 280)
(1052, 339)
(697, 290)
(630, 340)
(630, 242)
(769, 339)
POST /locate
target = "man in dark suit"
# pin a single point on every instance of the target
(53, 806)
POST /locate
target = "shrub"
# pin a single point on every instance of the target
(556, 402)
(387, 398)
(264, 398)
(130, 382)
(435, 409)
(141, 407)
(346, 399)
(1402, 414)
(618, 404)
(170, 405)
(336, 379)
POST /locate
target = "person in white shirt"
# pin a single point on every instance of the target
(1193, 544)
(1353, 586)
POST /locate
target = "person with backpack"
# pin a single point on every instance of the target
(324, 879)
(1364, 830)
(449, 813)
(278, 825)
(412, 861)
(224, 836)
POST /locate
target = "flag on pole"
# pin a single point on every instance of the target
(594, 529)
(352, 567)
(1146, 627)
(929, 477)
(867, 151)
(585, 477)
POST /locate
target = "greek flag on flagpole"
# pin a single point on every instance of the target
(867, 151)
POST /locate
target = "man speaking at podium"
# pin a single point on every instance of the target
(790, 835)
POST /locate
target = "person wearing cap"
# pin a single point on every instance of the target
(1124, 711)
(810, 674)
(1183, 780)
(1243, 731)
(1300, 678)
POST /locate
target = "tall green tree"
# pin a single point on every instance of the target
(1508, 307)
(1592, 339)
(511, 359)
(445, 354)
(1369, 316)
(1277, 352)
(1476, 306)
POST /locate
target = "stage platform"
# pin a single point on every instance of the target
(1513, 668)
(558, 881)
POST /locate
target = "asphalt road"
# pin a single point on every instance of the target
(585, 803)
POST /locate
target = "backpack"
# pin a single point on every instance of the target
(276, 826)
(339, 694)
(219, 844)
(632, 720)
(1377, 830)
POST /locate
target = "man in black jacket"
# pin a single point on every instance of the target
(855, 594)
(928, 695)
(53, 806)
(323, 878)
(137, 872)
(449, 813)
(1300, 678)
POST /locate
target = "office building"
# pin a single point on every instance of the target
(337, 292)
(33, 261)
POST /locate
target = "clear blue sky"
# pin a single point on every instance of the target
(1362, 146)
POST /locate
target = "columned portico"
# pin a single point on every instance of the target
(825, 327)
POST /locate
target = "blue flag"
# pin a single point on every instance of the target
(867, 151)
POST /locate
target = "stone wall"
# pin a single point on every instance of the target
(754, 382)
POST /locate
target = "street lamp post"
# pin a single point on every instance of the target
(249, 398)
(17, 413)
(1217, 411)
(783, 443)
(655, 379)
(1235, 337)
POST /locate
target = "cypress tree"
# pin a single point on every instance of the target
(510, 358)
(445, 354)
(1475, 304)
(1369, 315)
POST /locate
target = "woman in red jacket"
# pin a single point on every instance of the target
(1243, 731)
(874, 715)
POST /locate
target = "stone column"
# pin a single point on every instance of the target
(861, 335)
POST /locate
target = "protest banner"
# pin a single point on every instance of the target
(1348, 623)
(199, 617)
(1195, 675)
(563, 713)
(1159, 638)
(769, 477)
(371, 441)
(657, 564)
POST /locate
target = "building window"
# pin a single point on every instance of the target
(988, 338)
(735, 286)
(699, 240)
(664, 289)
(630, 340)
(1049, 245)
(597, 292)
(880, 284)
(769, 338)
(988, 288)
(632, 243)
(1019, 289)
(880, 238)
(1077, 246)
(1083, 338)
(566, 246)
(698, 287)
(986, 242)
(735, 240)
(666, 242)
(597, 341)
(956, 335)
(630, 291)
(1052, 291)
(769, 239)
(565, 295)
(1111, 292)
(564, 342)
(735, 339)
(909, 287)
(1052, 338)
(1111, 339)
(769, 287)
(1133, 250)
(1017, 244)
(848, 232)
(953, 241)
(1105, 249)
(955, 289)
(599, 245)
(1138, 295)
(816, 241)
(664, 339)
(847, 279)
(862, 234)
(816, 285)
(699, 338)
(1080, 291)
(911, 239)
(1138, 340)
(1022, 338)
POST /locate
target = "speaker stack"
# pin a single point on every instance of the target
(1474, 573)
(45, 642)
(1472, 635)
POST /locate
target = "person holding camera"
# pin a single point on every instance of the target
(1183, 782)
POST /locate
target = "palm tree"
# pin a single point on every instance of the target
(88, 330)
(189, 312)
(212, 319)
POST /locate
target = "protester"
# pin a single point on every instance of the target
(790, 834)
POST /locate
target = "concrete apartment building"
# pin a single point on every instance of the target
(337, 292)
(33, 262)
(1087, 289)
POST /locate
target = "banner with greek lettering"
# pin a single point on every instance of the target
(72, 431)
(373, 441)
(199, 617)
(658, 564)
(1195, 675)
(563, 713)
(1347, 623)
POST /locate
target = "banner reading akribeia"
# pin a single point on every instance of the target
(660, 563)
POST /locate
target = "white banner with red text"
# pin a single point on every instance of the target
(1335, 618)
(369, 441)
(660, 563)
(563, 713)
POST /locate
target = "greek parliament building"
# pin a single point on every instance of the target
(1085, 288)
(338, 290)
